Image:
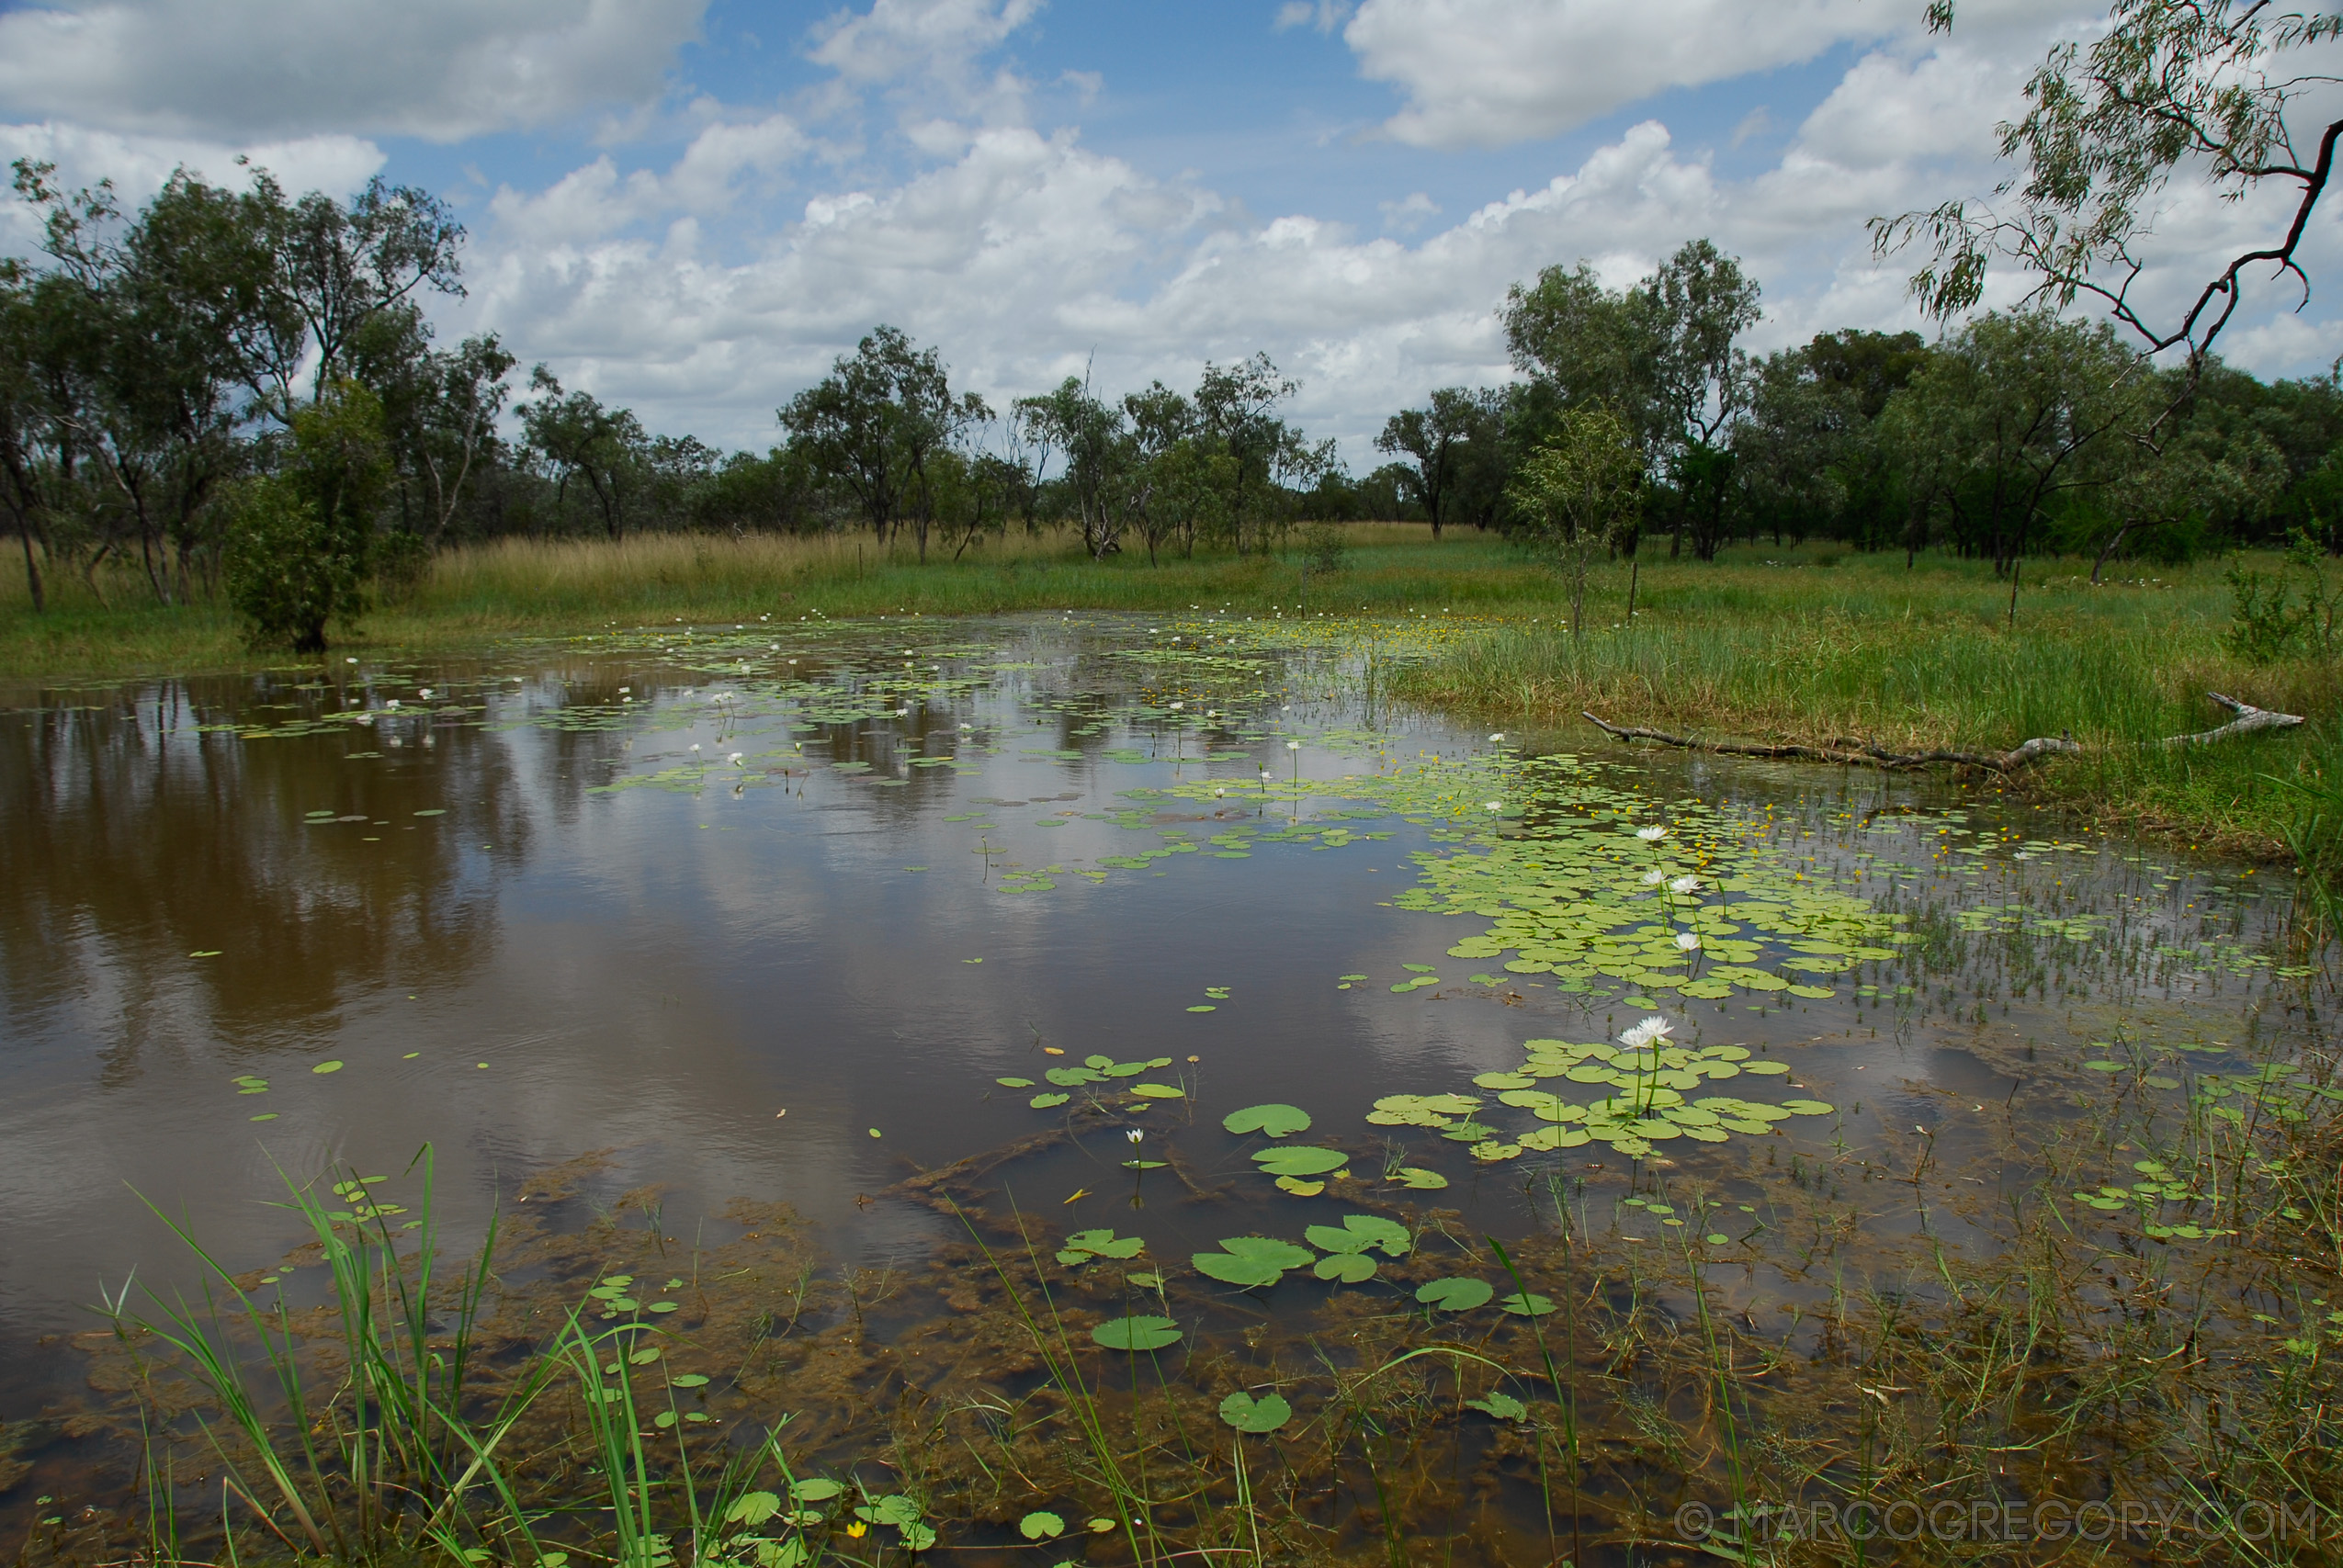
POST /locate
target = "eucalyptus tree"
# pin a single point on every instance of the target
(1437, 441)
(2015, 414)
(1579, 493)
(1237, 417)
(589, 444)
(1701, 303)
(440, 409)
(874, 423)
(334, 267)
(2213, 92)
(1090, 440)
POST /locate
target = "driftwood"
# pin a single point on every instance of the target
(1868, 754)
(2250, 718)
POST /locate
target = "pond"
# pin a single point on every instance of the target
(1125, 1087)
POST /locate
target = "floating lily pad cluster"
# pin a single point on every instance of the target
(1302, 1169)
(1251, 1261)
(1098, 1069)
(1652, 1100)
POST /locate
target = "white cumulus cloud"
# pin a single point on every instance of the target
(442, 70)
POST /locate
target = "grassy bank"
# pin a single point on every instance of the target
(1820, 646)
(523, 587)
(1809, 645)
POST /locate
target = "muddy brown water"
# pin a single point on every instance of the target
(794, 978)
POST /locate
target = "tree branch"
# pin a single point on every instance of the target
(2249, 720)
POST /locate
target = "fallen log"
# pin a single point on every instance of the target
(1850, 753)
(2250, 719)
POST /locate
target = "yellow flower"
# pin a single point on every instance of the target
(858, 1530)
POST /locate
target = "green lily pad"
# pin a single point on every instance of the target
(1136, 1333)
(1044, 1102)
(1158, 1091)
(1247, 1413)
(1040, 1524)
(1359, 1232)
(1274, 1121)
(1457, 1294)
(1349, 1268)
(1526, 1305)
(1504, 1406)
(1419, 1179)
(1304, 1160)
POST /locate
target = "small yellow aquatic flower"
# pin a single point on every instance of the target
(858, 1530)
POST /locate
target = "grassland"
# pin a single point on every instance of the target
(1810, 644)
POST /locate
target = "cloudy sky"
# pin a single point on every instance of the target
(690, 206)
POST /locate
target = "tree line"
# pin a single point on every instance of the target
(239, 391)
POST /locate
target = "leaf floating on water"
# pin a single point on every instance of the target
(1040, 1524)
(1504, 1406)
(1455, 1295)
(1419, 1178)
(690, 1379)
(1526, 1305)
(1203, 1009)
(205, 953)
(1136, 1333)
(1274, 1121)
(1246, 1414)
(1015, 1083)
(1158, 1091)
(1303, 1160)
(1300, 1187)
(1046, 1102)
(327, 1068)
(874, 1132)
(1349, 1268)
(1251, 1260)
(435, 811)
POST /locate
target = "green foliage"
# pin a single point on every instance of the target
(1579, 494)
(299, 539)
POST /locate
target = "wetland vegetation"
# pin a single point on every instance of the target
(1065, 983)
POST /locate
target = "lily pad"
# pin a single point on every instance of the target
(1304, 1160)
(1455, 1295)
(1530, 1305)
(1044, 1102)
(1136, 1333)
(1504, 1406)
(1274, 1121)
(1419, 1178)
(1359, 1232)
(1349, 1268)
(1246, 1414)
(1251, 1260)
(1041, 1525)
(1159, 1091)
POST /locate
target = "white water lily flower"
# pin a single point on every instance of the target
(424, 693)
(734, 759)
(1654, 877)
(1651, 835)
(1218, 793)
(695, 745)
(1135, 1134)
(1497, 805)
(1688, 941)
(1685, 884)
(1293, 746)
(1177, 706)
(1264, 773)
(1650, 1032)
(1496, 737)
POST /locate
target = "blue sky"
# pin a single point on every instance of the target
(690, 207)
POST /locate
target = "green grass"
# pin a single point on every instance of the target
(1810, 644)
(525, 588)
(1789, 650)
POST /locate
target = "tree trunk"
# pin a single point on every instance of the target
(32, 567)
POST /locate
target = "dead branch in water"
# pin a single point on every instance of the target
(1867, 754)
